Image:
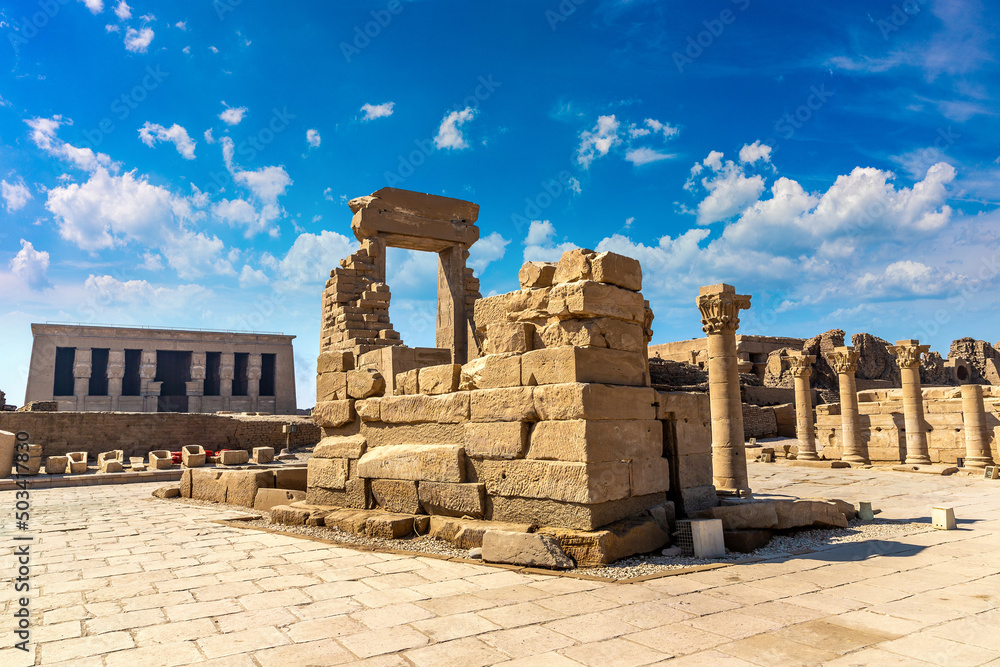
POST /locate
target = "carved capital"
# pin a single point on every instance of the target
(907, 353)
(844, 360)
(800, 364)
(721, 312)
(81, 371)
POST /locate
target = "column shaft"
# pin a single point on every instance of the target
(804, 429)
(977, 438)
(913, 417)
(850, 421)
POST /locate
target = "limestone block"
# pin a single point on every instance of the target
(536, 274)
(331, 414)
(369, 410)
(452, 499)
(610, 267)
(649, 476)
(335, 361)
(559, 365)
(8, 442)
(110, 465)
(233, 457)
(598, 332)
(266, 499)
(136, 463)
(510, 337)
(468, 533)
(511, 404)
(355, 495)
(748, 515)
(407, 383)
(34, 463)
(263, 455)
(365, 383)
(694, 470)
(496, 440)
(801, 513)
(293, 479)
(289, 516)
(621, 539)
(77, 463)
(327, 473)
(447, 409)
(443, 379)
(541, 511)
(521, 306)
(242, 485)
(395, 495)
(169, 491)
(207, 484)
(160, 459)
(331, 386)
(56, 465)
(340, 447)
(433, 463)
(593, 401)
(113, 455)
(591, 441)
(529, 549)
(574, 265)
(347, 520)
(192, 456)
(379, 435)
(591, 299)
(585, 483)
(389, 526)
(491, 371)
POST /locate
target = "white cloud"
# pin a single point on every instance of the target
(233, 115)
(95, 6)
(730, 190)
(186, 50)
(181, 25)
(30, 265)
(139, 294)
(373, 111)
(151, 261)
(193, 254)
(109, 28)
(540, 245)
(328, 194)
(641, 156)
(123, 11)
(598, 141)
(213, 49)
(308, 262)
(43, 133)
(750, 153)
(237, 212)
(486, 250)
(267, 183)
(666, 129)
(252, 277)
(313, 138)
(15, 194)
(137, 41)
(450, 134)
(909, 278)
(150, 133)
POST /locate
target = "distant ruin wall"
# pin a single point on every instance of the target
(138, 433)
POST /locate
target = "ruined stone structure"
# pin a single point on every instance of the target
(751, 351)
(123, 369)
(908, 353)
(844, 361)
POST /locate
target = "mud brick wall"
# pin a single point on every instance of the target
(759, 422)
(138, 433)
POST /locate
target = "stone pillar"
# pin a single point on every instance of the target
(81, 377)
(116, 371)
(907, 353)
(977, 435)
(720, 309)
(227, 368)
(801, 367)
(452, 323)
(148, 389)
(253, 379)
(195, 389)
(845, 362)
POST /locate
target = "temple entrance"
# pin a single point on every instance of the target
(173, 369)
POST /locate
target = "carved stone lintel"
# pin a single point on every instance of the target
(908, 352)
(844, 360)
(800, 364)
(720, 312)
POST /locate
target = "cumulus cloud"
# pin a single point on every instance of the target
(43, 134)
(910, 278)
(123, 11)
(237, 212)
(540, 245)
(30, 265)
(750, 153)
(730, 191)
(486, 250)
(95, 6)
(373, 111)
(308, 262)
(450, 133)
(16, 195)
(652, 126)
(232, 115)
(313, 138)
(266, 185)
(138, 41)
(150, 133)
(131, 294)
(596, 142)
(250, 277)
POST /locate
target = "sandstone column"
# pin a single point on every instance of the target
(801, 367)
(452, 324)
(977, 436)
(845, 362)
(149, 389)
(195, 388)
(720, 308)
(81, 377)
(116, 371)
(227, 368)
(253, 379)
(907, 353)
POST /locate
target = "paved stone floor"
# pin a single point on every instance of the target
(121, 579)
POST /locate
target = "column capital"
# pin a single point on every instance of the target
(800, 364)
(147, 365)
(116, 364)
(844, 360)
(720, 307)
(907, 352)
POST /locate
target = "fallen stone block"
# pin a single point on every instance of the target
(389, 526)
(536, 274)
(333, 414)
(442, 379)
(56, 465)
(340, 447)
(234, 457)
(110, 465)
(77, 463)
(802, 513)
(621, 539)
(365, 383)
(750, 515)
(327, 473)
(349, 521)
(207, 484)
(432, 463)
(242, 485)
(610, 267)
(452, 499)
(136, 463)
(170, 491)
(468, 533)
(289, 516)
(269, 498)
(397, 496)
(263, 455)
(496, 440)
(192, 456)
(160, 459)
(561, 365)
(529, 549)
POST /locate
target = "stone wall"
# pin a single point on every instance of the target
(759, 422)
(138, 433)
(882, 425)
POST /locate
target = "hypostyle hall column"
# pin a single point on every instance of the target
(81, 377)
(227, 368)
(907, 353)
(720, 309)
(116, 371)
(149, 389)
(977, 437)
(801, 367)
(195, 388)
(253, 379)
(845, 362)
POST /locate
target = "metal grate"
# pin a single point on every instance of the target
(683, 537)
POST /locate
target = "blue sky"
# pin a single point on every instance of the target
(188, 163)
